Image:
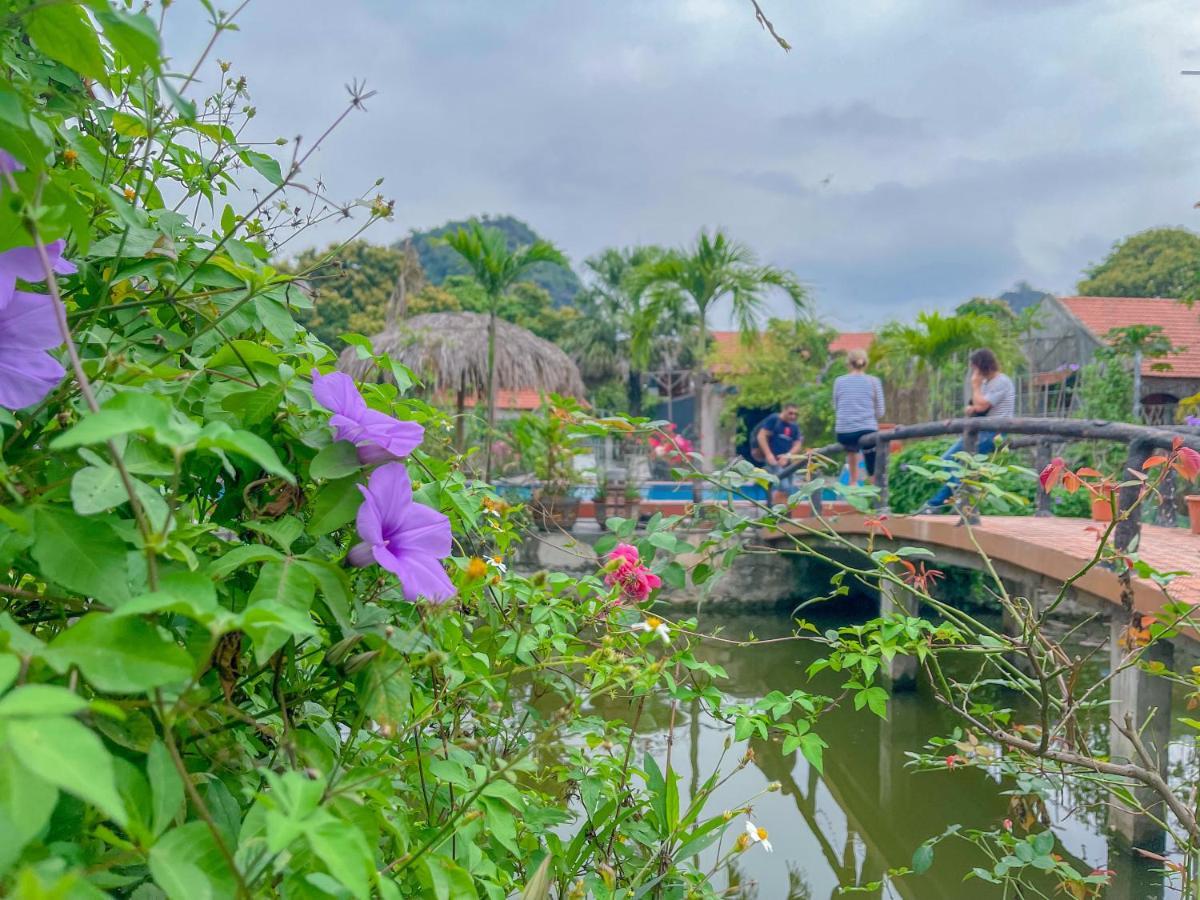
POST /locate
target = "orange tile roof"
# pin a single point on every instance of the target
(852, 340)
(1181, 325)
(522, 400)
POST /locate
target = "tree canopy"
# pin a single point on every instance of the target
(1160, 262)
(441, 262)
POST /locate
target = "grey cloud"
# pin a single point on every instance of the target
(858, 120)
(972, 143)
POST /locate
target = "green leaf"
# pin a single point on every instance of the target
(283, 531)
(383, 688)
(188, 865)
(448, 880)
(97, 489)
(922, 859)
(10, 668)
(219, 436)
(253, 407)
(264, 165)
(334, 506)
(241, 556)
(66, 754)
(63, 32)
(26, 803)
(165, 786)
(344, 851)
(84, 555)
(188, 593)
(1043, 843)
(125, 413)
(337, 460)
(118, 654)
(813, 748)
(133, 36)
(38, 700)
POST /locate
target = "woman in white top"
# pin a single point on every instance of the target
(858, 406)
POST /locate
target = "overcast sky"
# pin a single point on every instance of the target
(906, 154)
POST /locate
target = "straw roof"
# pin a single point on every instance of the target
(448, 351)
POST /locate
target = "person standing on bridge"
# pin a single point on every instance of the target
(775, 440)
(857, 407)
(992, 396)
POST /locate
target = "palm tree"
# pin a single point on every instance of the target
(713, 269)
(619, 330)
(496, 269)
(937, 340)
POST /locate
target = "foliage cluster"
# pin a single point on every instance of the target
(1159, 262)
(203, 692)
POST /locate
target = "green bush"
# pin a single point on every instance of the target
(907, 489)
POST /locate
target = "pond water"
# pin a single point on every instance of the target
(868, 812)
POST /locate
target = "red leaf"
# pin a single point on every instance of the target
(1187, 462)
(1051, 474)
(1154, 462)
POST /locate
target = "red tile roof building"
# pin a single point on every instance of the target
(1179, 322)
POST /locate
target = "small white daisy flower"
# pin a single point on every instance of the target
(758, 835)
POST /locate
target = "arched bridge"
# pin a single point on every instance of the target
(1040, 547)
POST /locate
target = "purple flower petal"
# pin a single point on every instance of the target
(406, 538)
(29, 323)
(26, 377)
(426, 532)
(360, 555)
(370, 519)
(392, 489)
(25, 264)
(337, 393)
(377, 435)
(423, 576)
(8, 164)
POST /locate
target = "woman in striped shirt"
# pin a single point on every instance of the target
(858, 406)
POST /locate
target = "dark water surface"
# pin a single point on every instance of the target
(868, 812)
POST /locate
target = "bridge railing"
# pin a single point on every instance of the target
(1042, 434)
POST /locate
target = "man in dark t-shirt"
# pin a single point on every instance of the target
(776, 438)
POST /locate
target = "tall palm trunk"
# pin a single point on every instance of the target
(491, 413)
(633, 388)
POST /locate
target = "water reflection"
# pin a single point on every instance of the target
(867, 813)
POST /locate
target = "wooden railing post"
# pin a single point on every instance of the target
(1041, 460)
(882, 451)
(1166, 500)
(1129, 525)
(970, 439)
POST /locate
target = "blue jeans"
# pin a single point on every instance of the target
(987, 443)
(787, 483)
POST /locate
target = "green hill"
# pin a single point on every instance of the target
(440, 262)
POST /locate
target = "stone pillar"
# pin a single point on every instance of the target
(1146, 699)
(895, 598)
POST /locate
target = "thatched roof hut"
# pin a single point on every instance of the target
(448, 351)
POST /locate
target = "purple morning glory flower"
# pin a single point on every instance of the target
(23, 263)
(28, 328)
(407, 538)
(377, 435)
(1192, 420)
(8, 163)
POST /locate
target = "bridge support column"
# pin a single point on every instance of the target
(1147, 701)
(895, 598)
